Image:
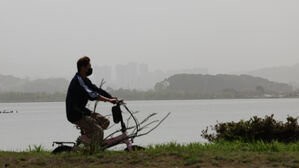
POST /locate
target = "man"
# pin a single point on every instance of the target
(79, 92)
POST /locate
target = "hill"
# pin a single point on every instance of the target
(180, 86)
(214, 85)
(51, 85)
(286, 74)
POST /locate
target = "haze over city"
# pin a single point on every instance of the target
(41, 39)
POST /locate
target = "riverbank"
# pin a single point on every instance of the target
(62, 100)
(18, 97)
(220, 154)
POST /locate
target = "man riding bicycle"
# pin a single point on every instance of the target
(80, 90)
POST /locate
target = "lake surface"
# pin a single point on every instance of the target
(43, 123)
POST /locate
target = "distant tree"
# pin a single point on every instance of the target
(260, 90)
(161, 85)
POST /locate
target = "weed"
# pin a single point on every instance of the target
(215, 163)
(36, 148)
(192, 159)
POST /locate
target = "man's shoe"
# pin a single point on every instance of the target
(85, 139)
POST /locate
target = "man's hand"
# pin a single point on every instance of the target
(113, 101)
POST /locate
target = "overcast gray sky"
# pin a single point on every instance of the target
(46, 37)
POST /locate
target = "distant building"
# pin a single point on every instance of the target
(136, 76)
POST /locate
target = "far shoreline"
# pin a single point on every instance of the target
(272, 98)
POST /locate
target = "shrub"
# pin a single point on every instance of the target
(255, 129)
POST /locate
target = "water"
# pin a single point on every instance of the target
(43, 123)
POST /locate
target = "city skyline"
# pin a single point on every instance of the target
(135, 75)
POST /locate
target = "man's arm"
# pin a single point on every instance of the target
(93, 95)
(105, 99)
(99, 90)
(104, 93)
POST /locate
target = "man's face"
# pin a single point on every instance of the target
(85, 69)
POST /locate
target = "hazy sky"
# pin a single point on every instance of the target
(46, 37)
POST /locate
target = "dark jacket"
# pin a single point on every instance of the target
(79, 92)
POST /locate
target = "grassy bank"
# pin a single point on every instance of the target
(220, 154)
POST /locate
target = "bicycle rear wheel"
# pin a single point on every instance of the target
(62, 148)
(136, 148)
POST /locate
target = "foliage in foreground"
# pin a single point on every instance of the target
(218, 154)
(255, 129)
(225, 146)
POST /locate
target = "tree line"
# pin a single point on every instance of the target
(180, 87)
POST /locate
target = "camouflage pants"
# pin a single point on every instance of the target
(93, 126)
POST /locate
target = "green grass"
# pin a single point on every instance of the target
(36, 148)
(220, 154)
(259, 146)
